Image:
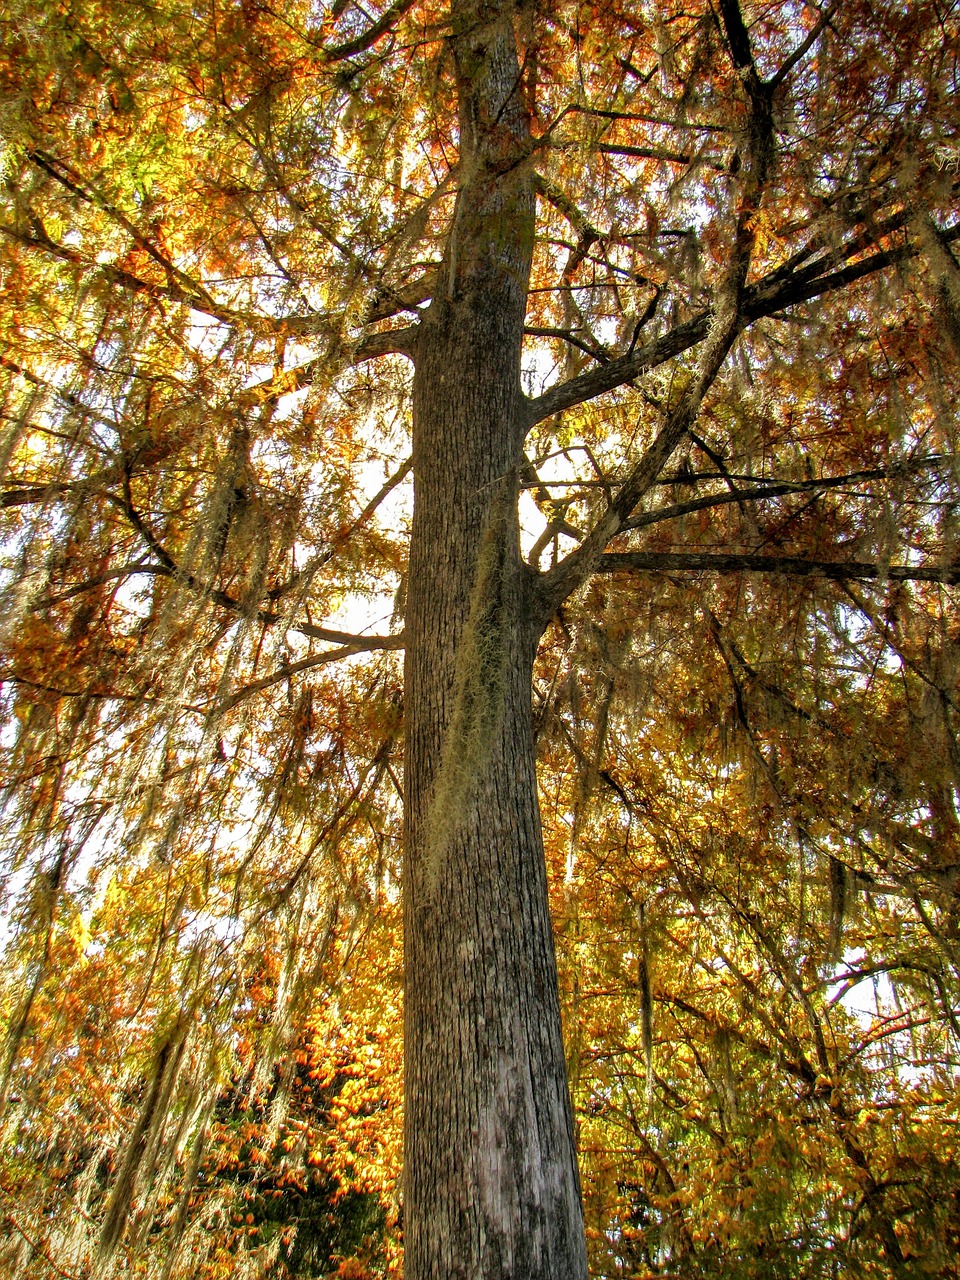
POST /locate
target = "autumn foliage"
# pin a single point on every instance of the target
(219, 225)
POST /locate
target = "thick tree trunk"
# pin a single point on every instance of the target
(491, 1186)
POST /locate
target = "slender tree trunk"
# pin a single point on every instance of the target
(491, 1185)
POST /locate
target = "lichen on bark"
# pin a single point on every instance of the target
(479, 686)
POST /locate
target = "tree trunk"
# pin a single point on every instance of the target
(491, 1186)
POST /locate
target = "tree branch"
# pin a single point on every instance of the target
(168, 568)
(170, 292)
(556, 585)
(793, 566)
(364, 41)
(391, 342)
(29, 494)
(725, 325)
(765, 298)
(804, 47)
(306, 664)
(645, 153)
(68, 178)
(772, 489)
(567, 335)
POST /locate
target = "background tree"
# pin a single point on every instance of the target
(667, 303)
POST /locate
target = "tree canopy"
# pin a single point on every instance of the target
(224, 228)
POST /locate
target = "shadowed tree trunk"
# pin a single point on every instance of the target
(491, 1186)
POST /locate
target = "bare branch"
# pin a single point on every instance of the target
(568, 336)
(697, 126)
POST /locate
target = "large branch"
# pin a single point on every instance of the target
(564, 578)
(366, 39)
(371, 347)
(762, 490)
(725, 325)
(792, 566)
(290, 669)
(355, 641)
(765, 298)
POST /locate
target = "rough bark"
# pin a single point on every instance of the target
(491, 1185)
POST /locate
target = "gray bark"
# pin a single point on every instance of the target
(491, 1187)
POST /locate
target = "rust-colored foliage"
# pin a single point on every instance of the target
(219, 225)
